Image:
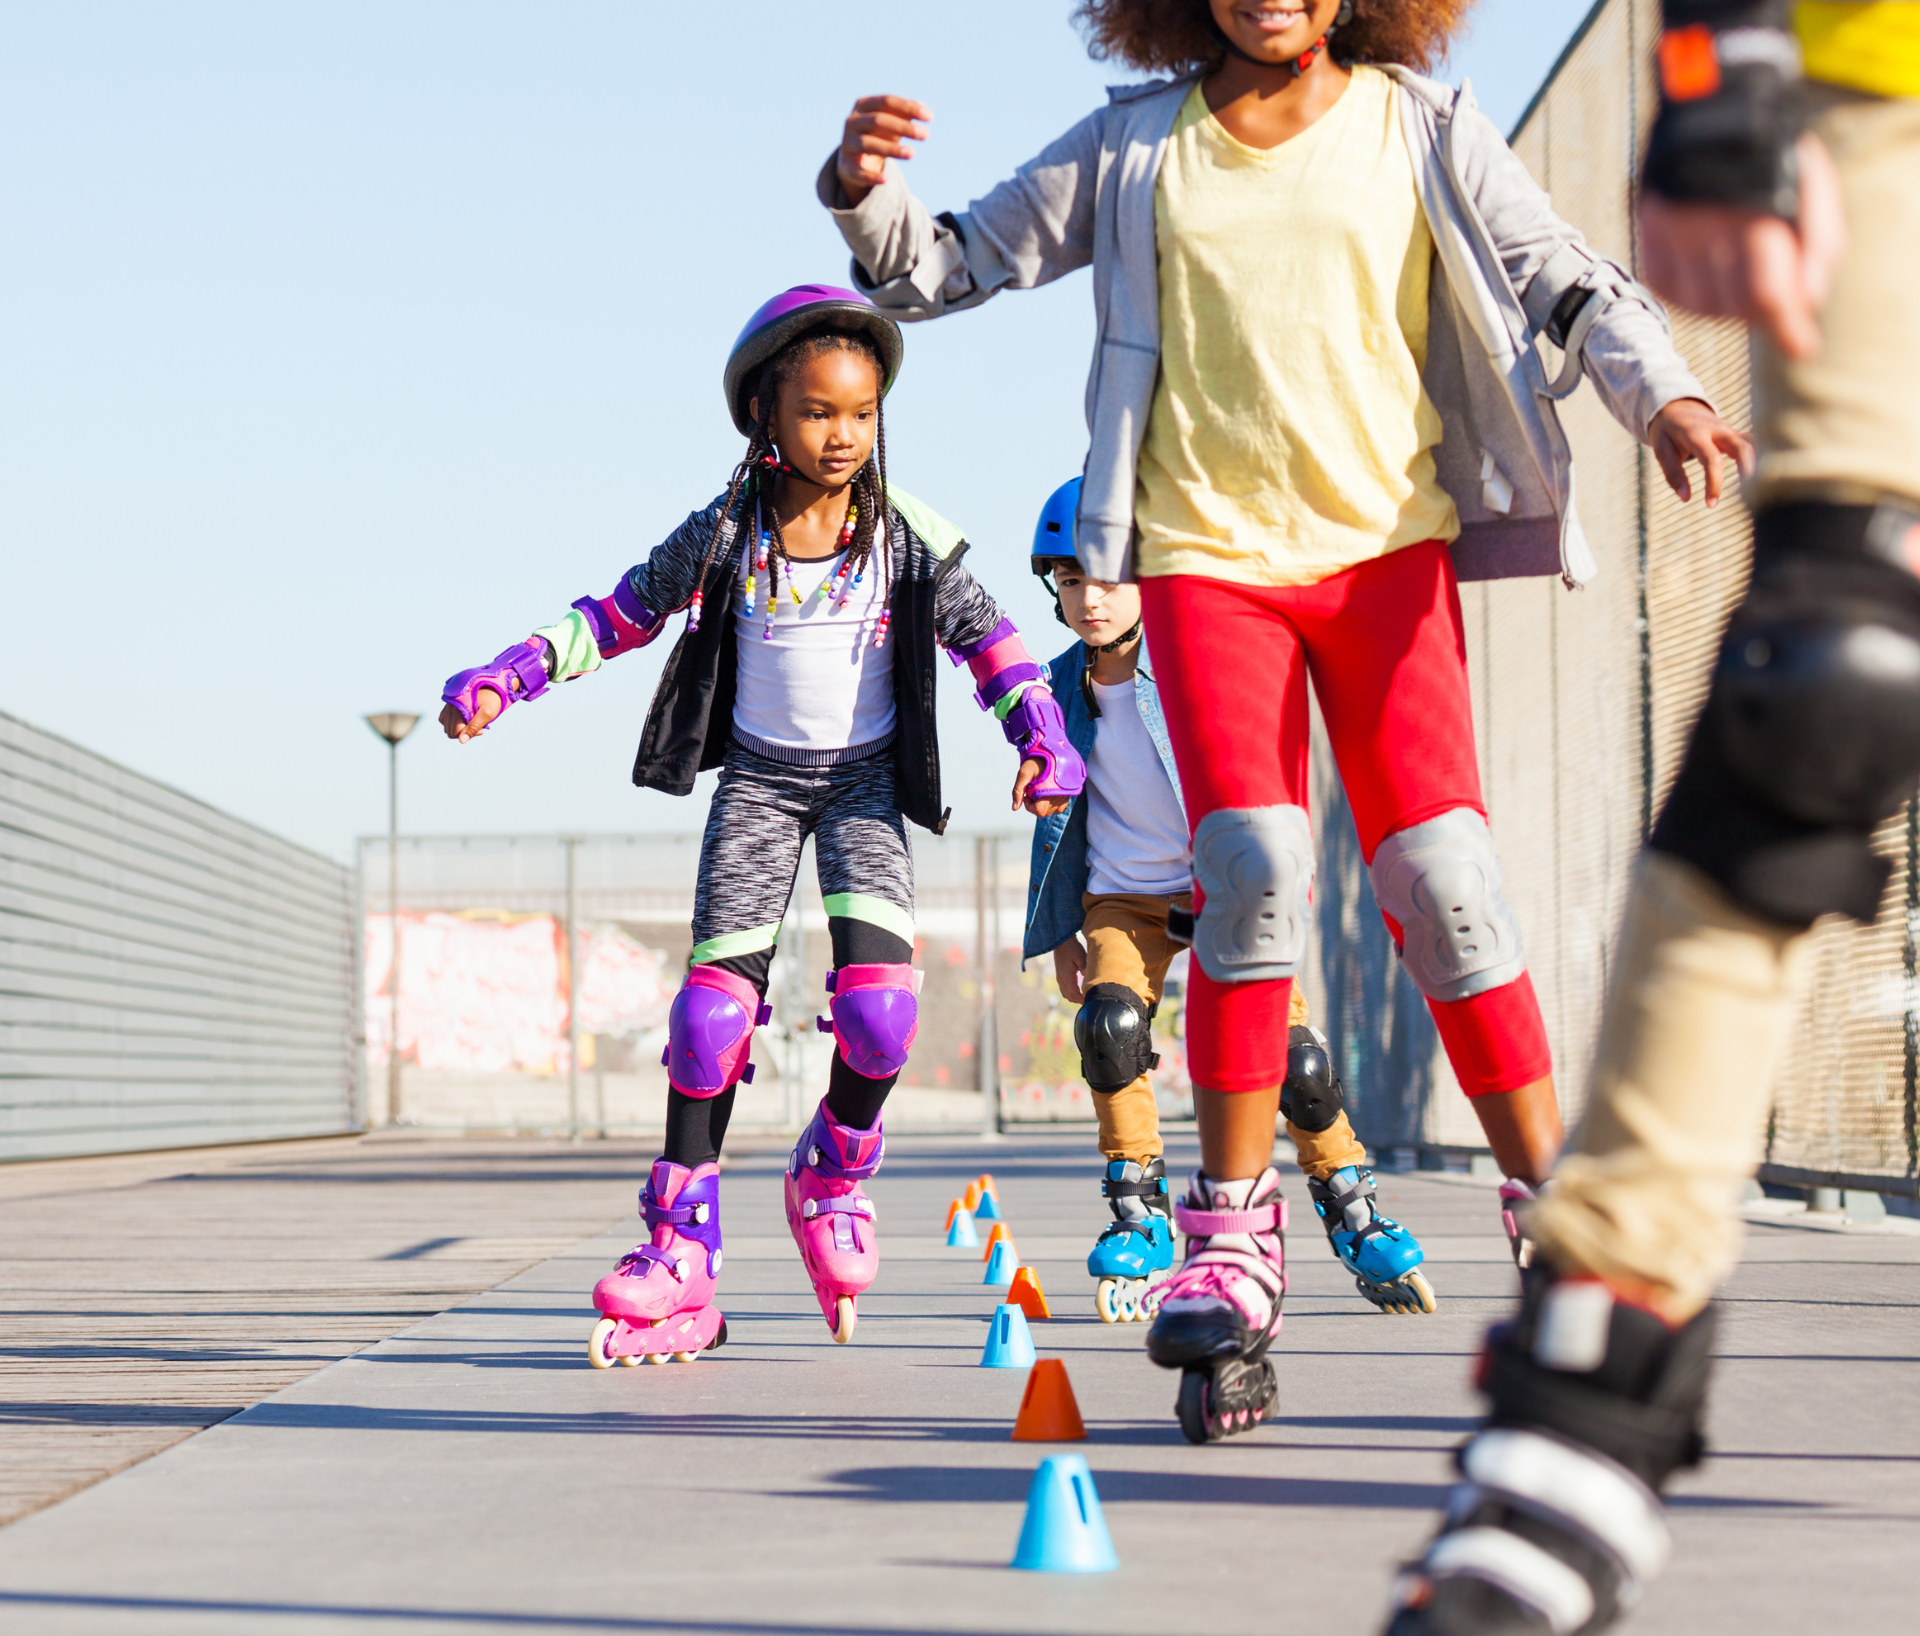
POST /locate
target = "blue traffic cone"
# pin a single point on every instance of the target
(989, 1208)
(1002, 1265)
(1009, 1341)
(961, 1234)
(1064, 1532)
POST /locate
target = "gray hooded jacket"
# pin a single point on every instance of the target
(1512, 271)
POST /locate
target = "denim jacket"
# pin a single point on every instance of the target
(1057, 877)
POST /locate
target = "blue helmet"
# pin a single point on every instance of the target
(1053, 534)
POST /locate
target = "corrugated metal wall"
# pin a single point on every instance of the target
(1583, 701)
(169, 976)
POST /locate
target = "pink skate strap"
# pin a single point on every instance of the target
(1268, 1218)
(856, 1204)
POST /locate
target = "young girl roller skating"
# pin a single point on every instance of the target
(815, 597)
(1316, 402)
(1110, 887)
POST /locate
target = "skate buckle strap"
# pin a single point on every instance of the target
(1111, 1189)
(675, 1264)
(818, 1159)
(1522, 1569)
(675, 1215)
(1264, 1218)
(1573, 1488)
(849, 1204)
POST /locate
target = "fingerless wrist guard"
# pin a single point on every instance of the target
(519, 673)
(1729, 108)
(1014, 688)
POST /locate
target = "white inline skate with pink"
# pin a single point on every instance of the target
(657, 1304)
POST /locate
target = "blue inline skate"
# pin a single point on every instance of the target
(1137, 1246)
(1383, 1256)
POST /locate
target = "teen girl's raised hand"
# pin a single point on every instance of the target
(878, 129)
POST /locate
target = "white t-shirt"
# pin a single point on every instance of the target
(817, 687)
(1136, 830)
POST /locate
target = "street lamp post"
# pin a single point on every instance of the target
(393, 726)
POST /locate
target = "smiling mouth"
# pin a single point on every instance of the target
(1272, 19)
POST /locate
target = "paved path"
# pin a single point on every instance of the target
(471, 1473)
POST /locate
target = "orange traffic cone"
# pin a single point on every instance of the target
(999, 1232)
(952, 1210)
(1027, 1294)
(1048, 1413)
(986, 1185)
(970, 1199)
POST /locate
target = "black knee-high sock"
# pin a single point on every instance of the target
(854, 1099)
(697, 1126)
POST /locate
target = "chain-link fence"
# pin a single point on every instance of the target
(490, 982)
(1583, 701)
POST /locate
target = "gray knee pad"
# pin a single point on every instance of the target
(1441, 881)
(1114, 1031)
(1255, 867)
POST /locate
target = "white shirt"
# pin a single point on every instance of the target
(1136, 830)
(817, 684)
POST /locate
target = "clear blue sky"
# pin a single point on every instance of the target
(341, 344)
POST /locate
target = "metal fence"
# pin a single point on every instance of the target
(1583, 701)
(598, 926)
(169, 975)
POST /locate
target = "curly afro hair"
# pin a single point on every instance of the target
(1179, 35)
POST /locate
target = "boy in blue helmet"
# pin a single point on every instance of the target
(1108, 873)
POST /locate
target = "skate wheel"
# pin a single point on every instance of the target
(658, 1357)
(1128, 1304)
(1106, 1301)
(848, 1317)
(1416, 1281)
(598, 1353)
(631, 1360)
(719, 1337)
(685, 1357)
(1191, 1406)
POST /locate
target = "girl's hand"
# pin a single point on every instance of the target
(877, 130)
(1041, 806)
(486, 705)
(1070, 969)
(1687, 429)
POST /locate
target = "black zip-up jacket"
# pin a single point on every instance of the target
(935, 603)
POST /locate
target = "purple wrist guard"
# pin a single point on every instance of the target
(1036, 728)
(620, 622)
(523, 667)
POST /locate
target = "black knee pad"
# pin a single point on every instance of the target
(1114, 1031)
(1810, 737)
(1310, 1096)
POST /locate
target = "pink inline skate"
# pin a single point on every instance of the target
(657, 1304)
(831, 1218)
(1221, 1310)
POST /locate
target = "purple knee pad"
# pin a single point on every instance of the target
(519, 673)
(875, 1017)
(710, 1032)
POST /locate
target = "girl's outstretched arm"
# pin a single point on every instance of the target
(1009, 683)
(1032, 228)
(594, 630)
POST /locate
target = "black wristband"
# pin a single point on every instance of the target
(1729, 120)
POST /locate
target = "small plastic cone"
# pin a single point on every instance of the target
(1001, 1268)
(952, 1210)
(970, 1200)
(999, 1235)
(1009, 1345)
(1048, 1413)
(986, 1185)
(1064, 1531)
(989, 1208)
(961, 1235)
(1027, 1294)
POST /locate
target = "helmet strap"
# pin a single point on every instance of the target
(1130, 635)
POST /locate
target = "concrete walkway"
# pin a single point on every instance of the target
(472, 1473)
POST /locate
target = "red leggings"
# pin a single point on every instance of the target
(1384, 646)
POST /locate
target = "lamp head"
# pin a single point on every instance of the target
(392, 725)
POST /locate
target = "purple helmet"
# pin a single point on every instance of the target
(793, 312)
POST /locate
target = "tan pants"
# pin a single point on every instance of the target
(1703, 993)
(1126, 936)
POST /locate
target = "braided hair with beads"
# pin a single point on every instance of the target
(749, 506)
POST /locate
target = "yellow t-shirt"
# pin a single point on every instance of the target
(1290, 437)
(1871, 47)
